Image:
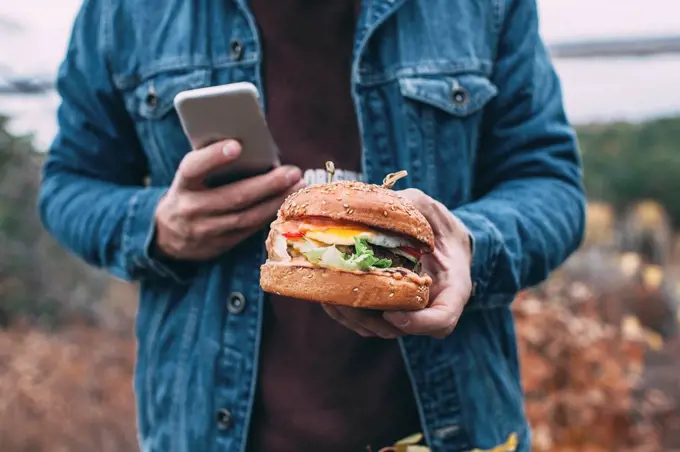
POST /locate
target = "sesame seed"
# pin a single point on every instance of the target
(385, 212)
(356, 289)
(345, 205)
(391, 295)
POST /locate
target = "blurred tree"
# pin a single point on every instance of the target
(625, 163)
(39, 281)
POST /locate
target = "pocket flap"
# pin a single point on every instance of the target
(459, 95)
(154, 97)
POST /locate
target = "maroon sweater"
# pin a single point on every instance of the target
(321, 386)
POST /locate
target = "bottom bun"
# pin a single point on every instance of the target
(368, 290)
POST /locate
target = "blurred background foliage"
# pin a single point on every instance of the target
(626, 162)
(40, 282)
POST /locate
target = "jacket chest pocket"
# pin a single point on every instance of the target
(150, 103)
(442, 118)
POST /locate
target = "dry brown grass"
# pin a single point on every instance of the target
(69, 391)
(591, 386)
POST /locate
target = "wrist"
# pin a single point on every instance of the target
(158, 246)
(465, 240)
(466, 246)
(157, 250)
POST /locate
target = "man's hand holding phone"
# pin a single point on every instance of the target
(197, 223)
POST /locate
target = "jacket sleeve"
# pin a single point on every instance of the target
(92, 197)
(528, 212)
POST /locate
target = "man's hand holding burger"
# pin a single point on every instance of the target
(196, 223)
(372, 256)
(449, 267)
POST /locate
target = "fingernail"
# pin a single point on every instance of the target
(230, 149)
(397, 319)
(388, 336)
(300, 185)
(293, 175)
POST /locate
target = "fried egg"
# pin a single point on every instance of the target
(344, 235)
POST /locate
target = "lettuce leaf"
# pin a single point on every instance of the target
(314, 255)
(329, 256)
(333, 258)
(365, 258)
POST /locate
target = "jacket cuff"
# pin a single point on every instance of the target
(486, 242)
(139, 231)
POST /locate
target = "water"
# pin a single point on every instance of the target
(595, 90)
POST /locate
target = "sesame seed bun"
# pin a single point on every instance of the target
(366, 204)
(369, 290)
(372, 206)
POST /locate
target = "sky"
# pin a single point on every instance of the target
(594, 90)
(579, 19)
(46, 23)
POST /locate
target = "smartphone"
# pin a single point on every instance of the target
(229, 111)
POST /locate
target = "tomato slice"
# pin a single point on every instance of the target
(412, 251)
(293, 235)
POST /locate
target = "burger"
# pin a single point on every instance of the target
(351, 244)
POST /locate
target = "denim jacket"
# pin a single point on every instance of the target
(461, 93)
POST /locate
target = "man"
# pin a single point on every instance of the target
(461, 93)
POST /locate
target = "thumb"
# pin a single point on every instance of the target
(197, 164)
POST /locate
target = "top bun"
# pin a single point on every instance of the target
(357, 202)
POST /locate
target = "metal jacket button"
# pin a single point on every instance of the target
(236, 303)
(151, 98)
(236, 50)
(223, 419)
(459, 94)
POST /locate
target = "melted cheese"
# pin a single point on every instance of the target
(330, 233)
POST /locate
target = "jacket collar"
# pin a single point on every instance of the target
(373, 14)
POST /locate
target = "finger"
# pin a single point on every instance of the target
(425, 205)
(253, 218)
(196, 165)
(437, 320)
(428, 206)
(214, 247)
(444, 223)
(333, 313)
(370, 320)
(415, 196)
(245, 193)
(227, 242)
